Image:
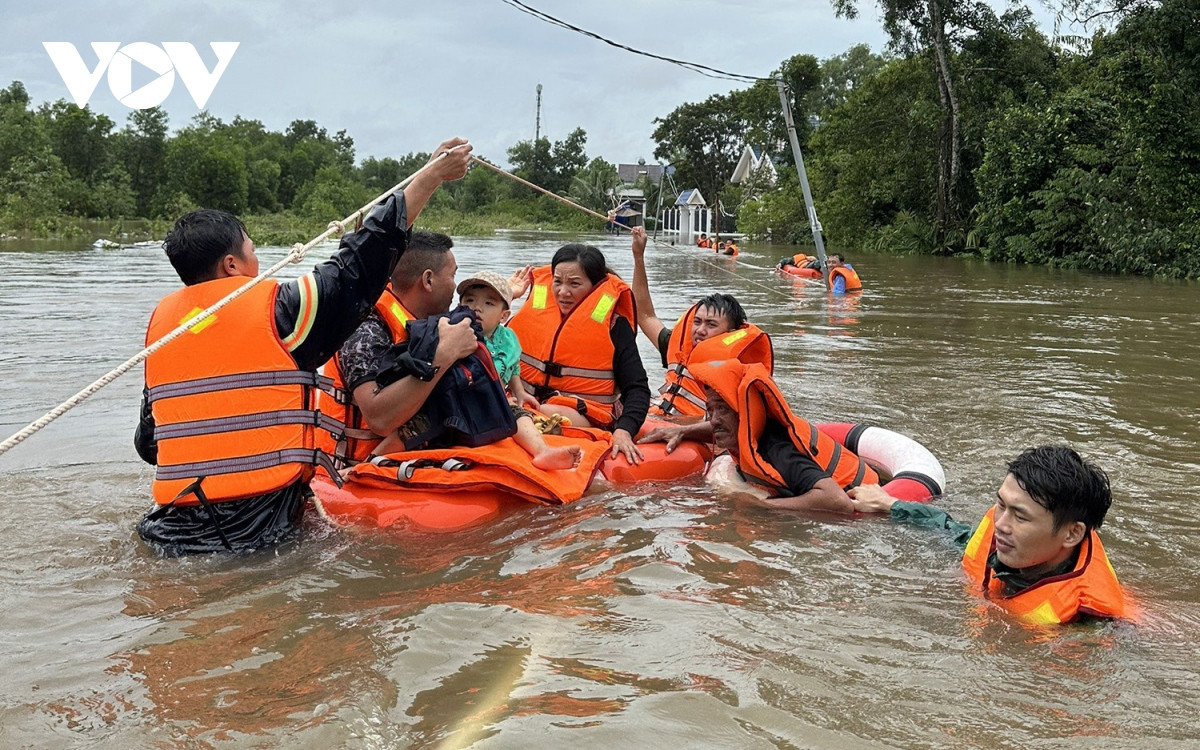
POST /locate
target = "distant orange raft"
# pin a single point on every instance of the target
(454, 488)
(801, 272)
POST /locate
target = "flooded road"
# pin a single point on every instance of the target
(656, 614)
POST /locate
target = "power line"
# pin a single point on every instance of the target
(704, 70)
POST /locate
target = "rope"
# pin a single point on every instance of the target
(294, 256)
(560, 199)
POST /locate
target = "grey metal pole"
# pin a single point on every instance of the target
(808, 201)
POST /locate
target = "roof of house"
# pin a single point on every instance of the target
(630, 172)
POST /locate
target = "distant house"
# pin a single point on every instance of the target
(631, 197)
(756, 166)
(629, 173)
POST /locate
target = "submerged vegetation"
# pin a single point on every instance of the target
(974, 134)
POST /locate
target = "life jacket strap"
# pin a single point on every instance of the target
(556, 370)
(196, 489)
(676, 390)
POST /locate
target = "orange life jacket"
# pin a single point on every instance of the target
(731, 249)
(704, 243)
(801, 260)
(1090, 589)
(573, 356)
(502, 465)
(234, 416)
(749, 390)
(680, 392)
(853, 284)
(355, 441)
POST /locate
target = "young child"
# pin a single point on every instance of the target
(488, 294)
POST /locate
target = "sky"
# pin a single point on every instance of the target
(402, 76)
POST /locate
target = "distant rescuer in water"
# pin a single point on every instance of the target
(229, 412)
(1036, 552)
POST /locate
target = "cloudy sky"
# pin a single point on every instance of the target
(400, 76)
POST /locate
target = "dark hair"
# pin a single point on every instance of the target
(199, 240)
(424, 251)
(1063, 483)
(726, 305)
(841, 258)
(589, 259)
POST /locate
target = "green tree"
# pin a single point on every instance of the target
(593, 186)
(330, 195)
(840, 75)
(79, 138)
(21, 131)
(550, 166)
(873, 158)
(31, 189)
(141, 147)
(1103, 172)
(933, 28)
(702, 141)
(310, 148)
(114, 196)
(211, 169)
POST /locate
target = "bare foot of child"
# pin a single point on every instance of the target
(551, 459)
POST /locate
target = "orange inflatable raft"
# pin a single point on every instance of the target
(450, 489)
(800, 272)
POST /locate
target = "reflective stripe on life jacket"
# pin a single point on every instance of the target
(1090, 589)
(573, 356)
(749, 390)
(853, 284)
(680, 392)
(234, 417)
(354, 441)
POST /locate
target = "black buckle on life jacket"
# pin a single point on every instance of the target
(554, 369)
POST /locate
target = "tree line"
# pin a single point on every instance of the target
(977, 135)
(60, 162)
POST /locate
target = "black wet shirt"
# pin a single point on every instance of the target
(799, 471)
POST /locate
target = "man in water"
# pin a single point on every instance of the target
(228, 414)
(789, 464)
(842, 276)
(1036, 552)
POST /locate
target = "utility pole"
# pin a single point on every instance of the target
(813, 222)
(537, 128)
